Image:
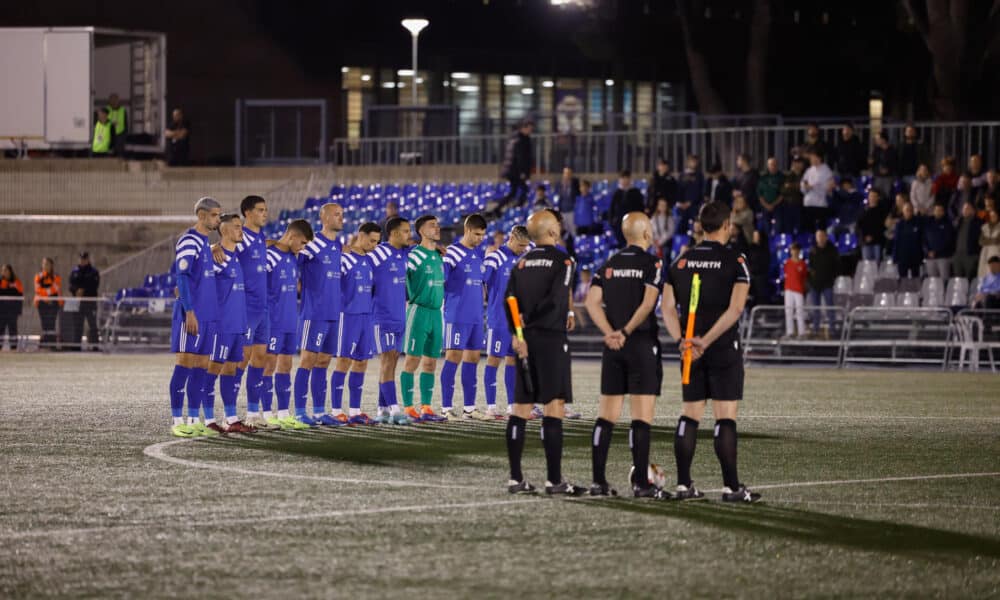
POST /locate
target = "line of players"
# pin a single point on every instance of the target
(238, 312)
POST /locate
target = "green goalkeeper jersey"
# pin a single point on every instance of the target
(425, 278)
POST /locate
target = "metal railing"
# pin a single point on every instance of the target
(766, 338)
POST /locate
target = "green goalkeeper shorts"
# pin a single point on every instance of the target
(424, 331)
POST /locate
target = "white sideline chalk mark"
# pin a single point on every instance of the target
(795, 484)
(157, 451)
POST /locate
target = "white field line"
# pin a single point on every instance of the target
(888, 504)
(795, 484)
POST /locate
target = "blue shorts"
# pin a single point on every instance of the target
(463, 336)
(229, 347)
(388, 337)
(498, 342)
(202, 344)
(282, 343)
(319, 336)
(260, 329)
(356, 337)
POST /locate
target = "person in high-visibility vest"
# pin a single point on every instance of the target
(103, 134)
(119, 121)
(48, 285)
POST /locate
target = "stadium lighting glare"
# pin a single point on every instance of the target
(468, 88)
(344, 69)
(460, 75)
(366, 78)
(513, 80)
(548, 83)
(609, 82)
(388, 85)
(405, 72)
(527, 91)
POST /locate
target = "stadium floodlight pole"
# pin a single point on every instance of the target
(414, 26)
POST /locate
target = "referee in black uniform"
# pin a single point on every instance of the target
(621, 300)
(540, 282)
(717, 370)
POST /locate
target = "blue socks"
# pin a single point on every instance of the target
(355, 381)
(255, 379)
(469, 383)
(194, 383)
(229, 387)
(337, 390)
(301, 391)
(448, 383)
(510, 380)
(267, 392)
(317, 385)
(387, 393)
(490, 383)
(283, 389)
(177, 383)
(208, 395)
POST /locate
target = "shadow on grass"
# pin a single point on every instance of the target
(419, 445)
(822, 528)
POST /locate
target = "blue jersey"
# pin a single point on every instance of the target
(282, 290)
(357, 280)
(193, 259)
(390, 286)
(230, 290)
(498, 264)
(463, 285)
(252, 252)
(319, 265)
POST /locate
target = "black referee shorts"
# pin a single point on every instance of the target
(635, 369)
(549, 363)
(718, 374)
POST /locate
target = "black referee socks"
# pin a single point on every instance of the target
(601, 444)
(725, 450)
(638, 440)
(552, 440)
(684, 442)
(515, 446)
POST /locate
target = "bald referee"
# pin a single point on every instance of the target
(540, 282)
(621, 300)
(717, 370)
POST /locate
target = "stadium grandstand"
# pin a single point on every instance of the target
(359, 203)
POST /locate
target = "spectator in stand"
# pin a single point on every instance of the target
(178, 135)
(817, 183)
(742, 217)
(663, 228)
(911, 155)
(871, 227)
(580, 295)
(988, 294)
(736, 240)
(939, 243)
(963, 193)
(84, 281)
(584, 211)
(894, 215)
(48, 285)
(662, 186)
(851, 157)
(813, 144)
(965, 261)
(691, 188)
(792, 197)
(517, 164)
(908, 243)
(992, 187)
(945, 182)
(541, 200)
(746, 181)
(11, 305)
(884, 164)
(759, 257)
(567, 191)
(626, 199)
(989, 203)
(823, 264)
(848, 202)
(989, 241)
(977, 176)
(717, 187)
(795, 292)
(697, 235)
(920, 191)
(769, 196)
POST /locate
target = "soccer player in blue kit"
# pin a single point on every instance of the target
(389, 262)
(355, 339)
(319, 268)
(498, 339)
(463, 318)
(195, 320)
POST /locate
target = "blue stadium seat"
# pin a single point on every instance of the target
(678, 242)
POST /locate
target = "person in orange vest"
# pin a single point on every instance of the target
(11, 301)
(48, 285)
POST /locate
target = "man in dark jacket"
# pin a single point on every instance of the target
(662, 186)
(965, 261)
(625, 200)
(908, 243)
(566, 192)
(823, 265)
(517, 165)
(769, 196)
(939, 243)
(884, 163)
(851, 155)
(691, 188)
(871, 227)
(717, 187)
(746, 181)
(83, 283)
(911, 154)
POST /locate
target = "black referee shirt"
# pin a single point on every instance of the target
(624, 279)
(720, 269)
(540, 282)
